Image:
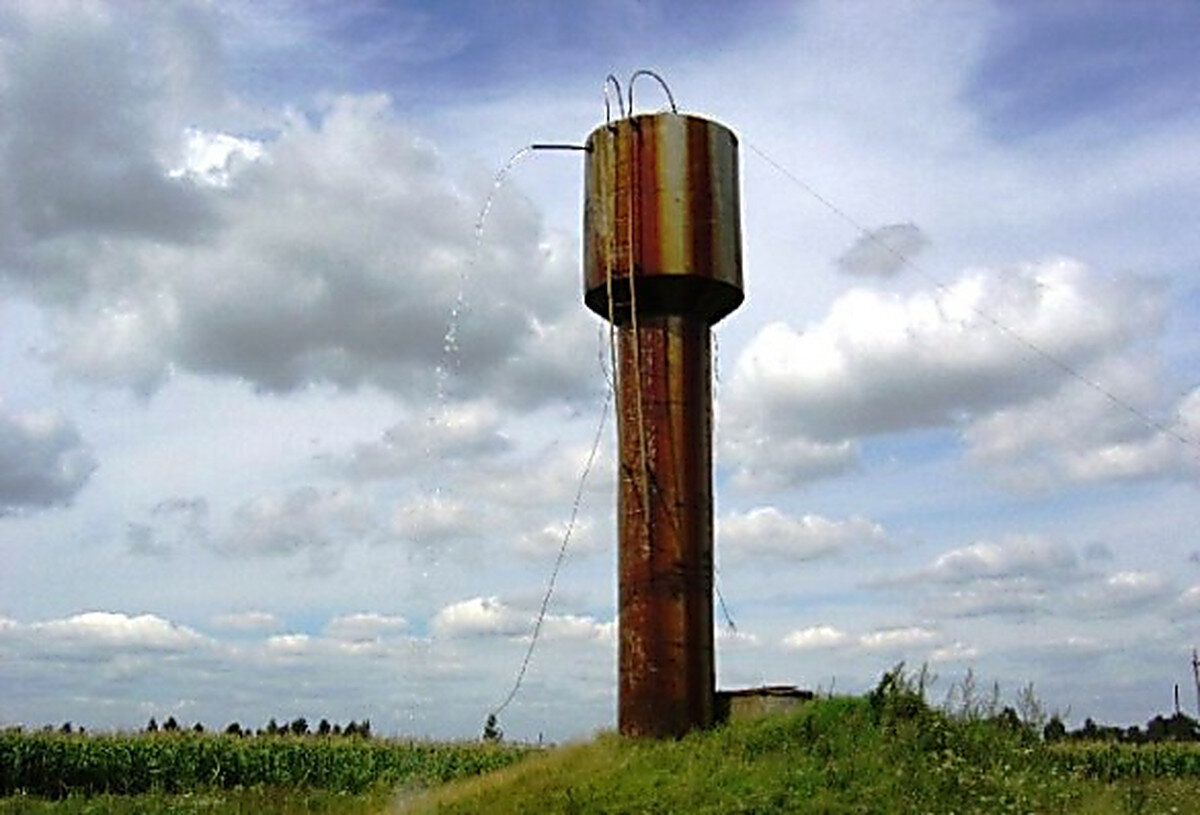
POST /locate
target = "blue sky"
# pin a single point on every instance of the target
(242, 477)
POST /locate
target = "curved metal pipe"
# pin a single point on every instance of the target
(612, 80)
(661, 81)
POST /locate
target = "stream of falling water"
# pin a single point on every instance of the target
(440, 420)
(450, 347)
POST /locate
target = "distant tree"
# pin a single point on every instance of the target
(299, 727)
(1008, 719)
(198, 728)
(152, 726)
(66, 728)
(361, 729)
(272, 727)
(234, 729)
(1179, 727)
(1054, 730)
(323, 728)
(170, 725)
(337, 730)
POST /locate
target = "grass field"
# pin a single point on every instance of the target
(882, 753)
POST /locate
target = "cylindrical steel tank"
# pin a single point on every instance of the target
(662, 203)
(662, 233)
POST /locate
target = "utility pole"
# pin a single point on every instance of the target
(1196, 675)
(663, 263)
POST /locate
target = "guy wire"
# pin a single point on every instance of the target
(562, 554)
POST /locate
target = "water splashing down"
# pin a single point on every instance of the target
(450, 345)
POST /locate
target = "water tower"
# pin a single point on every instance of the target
(663, 263)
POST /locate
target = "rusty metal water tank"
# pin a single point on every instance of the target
(663, 261)
(662, 203)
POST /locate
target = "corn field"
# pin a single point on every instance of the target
(1109, 761)
(54, 764)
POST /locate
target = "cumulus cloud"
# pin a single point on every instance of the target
(888, 639)
(247, 621)
(365, 626)
(1015, 576)
(43, 461)
(549, 539)
(1080, 435)
(1188, 602)
(305, 519)
(768, 531)
(480, 616)
(1014, 557)
(318, 521)
(434, 519)
(884, 251)
(453, 431)
(490, 617)
(97, 634)
(1122, 593)
(883, 363)
(332, 250)
(817, 636)
(954, 652)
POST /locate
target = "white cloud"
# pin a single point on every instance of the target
(882, 363)
(112, 631)
(1081, 435)
(43, 461)
(480, 616)
(434, 519)
(817, 636)
(767, 530)
(214, 158)
(765, 462)
(1015, 557)
(1188, 601)
(247, 621)
(883, 252)
(365, 626)
(574, 627)
(305, 519)
(452, 431)
(334, 250)
(489, 617)
(955, 652)
(1123, 592)
(549, 539)
(896, 638)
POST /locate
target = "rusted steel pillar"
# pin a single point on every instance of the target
(662, 260)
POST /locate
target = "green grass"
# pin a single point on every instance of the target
(887, 752)
(842, 755)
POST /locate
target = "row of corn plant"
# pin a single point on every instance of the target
(1111, 761)
(55, 764)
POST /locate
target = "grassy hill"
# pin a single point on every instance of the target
(883, 753)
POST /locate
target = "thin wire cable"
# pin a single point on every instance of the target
(636, 341)
(1145, 418)
(562, 554)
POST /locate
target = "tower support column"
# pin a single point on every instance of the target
(667, 679)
